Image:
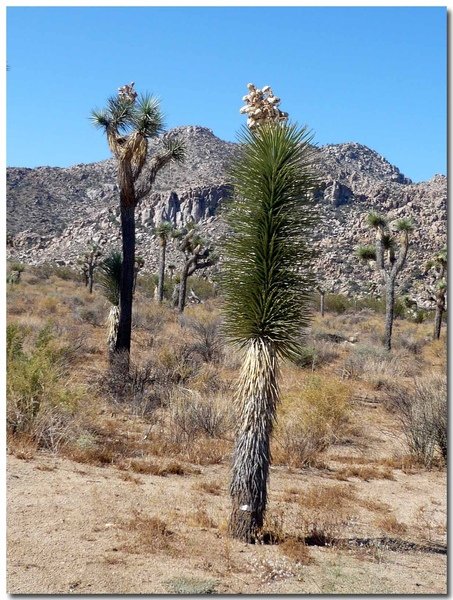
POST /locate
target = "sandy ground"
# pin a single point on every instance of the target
(75, 528)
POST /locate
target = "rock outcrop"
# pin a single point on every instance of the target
(52, 213)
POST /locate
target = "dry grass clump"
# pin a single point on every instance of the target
(297, 550)
(200, 518)
(324, 512)
(311, 421)
(364, 472)
(151, 534)
(390, 524)
(422, 412)
(209, 487)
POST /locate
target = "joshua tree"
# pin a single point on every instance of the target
(110, 282)
(163, 232)
(387, 261)
(128, 122)
(438, 264)
(267, 294)
(198, 255)
(88, 263)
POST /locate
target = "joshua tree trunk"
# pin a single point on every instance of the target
(440, 307)
(183, 287)
(90, 280)
(112, 329)
(258, 395)
(389, 311)
(123, 341)
(160, 284)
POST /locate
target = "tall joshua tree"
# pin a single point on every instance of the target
(438, 264)
(389, 260)
(197, 254)
(163, 232)
(267, 289)
(129, 121)
(110, 282)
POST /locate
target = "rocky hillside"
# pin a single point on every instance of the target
(53, 213)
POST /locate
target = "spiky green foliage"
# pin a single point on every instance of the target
(266, 291)
(403, 225)
(110, 277)
(147, 117)
(366, 252)
(376, 220)
(164, 230)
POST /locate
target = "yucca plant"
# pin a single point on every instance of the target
(438, 265)
(388, 261)
(129, 121)
(267, 287)
(109, 281)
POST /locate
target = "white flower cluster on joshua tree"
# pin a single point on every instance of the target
(127, 92)
(261, 106)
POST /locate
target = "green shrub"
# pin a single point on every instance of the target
(46, 270)
(337, 303)
(38, 401)
(202, 287)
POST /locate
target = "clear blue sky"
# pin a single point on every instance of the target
(376, 76)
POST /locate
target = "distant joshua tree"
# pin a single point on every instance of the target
(438, 265)
(128, 122)
(266, 286)
(163, 232)
(387, 261)
(198, 255)
(88, 263)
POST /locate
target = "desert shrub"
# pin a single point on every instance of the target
(336, 303)
(208, 340)
(191, 585)
(39, 403)
(46, 270)
(135, 388)
(312, 421)
(202, 287)
(14, 272)
(410, 342)
(176, 362)
(192, 415)
(422, 412)
(92, 315)
(150, 318)
(377, 366)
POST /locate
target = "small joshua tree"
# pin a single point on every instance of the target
(109, 282)
(389, 260)
(129, 121)
(438, 266)
(267, 288)
(163, 232)
(197, 255)
(88, 263)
